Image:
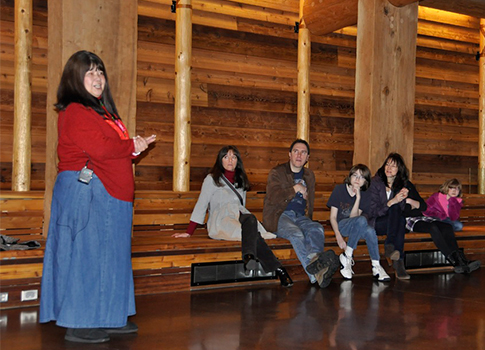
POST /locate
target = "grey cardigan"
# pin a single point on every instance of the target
(224, 208)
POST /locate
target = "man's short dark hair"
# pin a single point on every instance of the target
(300, 141)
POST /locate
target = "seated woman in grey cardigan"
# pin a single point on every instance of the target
(223, 193)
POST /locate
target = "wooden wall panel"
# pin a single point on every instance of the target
(446, 112)
(244, 83)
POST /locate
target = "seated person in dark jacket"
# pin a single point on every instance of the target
(288, 211)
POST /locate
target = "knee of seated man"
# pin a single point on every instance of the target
(316, 230)
(292, 233)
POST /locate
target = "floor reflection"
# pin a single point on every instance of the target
(437, 311)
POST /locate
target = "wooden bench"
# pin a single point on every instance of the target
(162, 263)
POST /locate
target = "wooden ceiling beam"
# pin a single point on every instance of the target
(400, 3)
(326, 16)
(475, 8)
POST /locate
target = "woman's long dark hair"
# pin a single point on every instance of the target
(402, 175)
(71, 88)
(240, 177)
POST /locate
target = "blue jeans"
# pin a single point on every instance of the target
(457, 225)
(306, 236)
(357, 228)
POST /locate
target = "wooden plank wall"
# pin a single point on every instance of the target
(244, 92)
(446, 112)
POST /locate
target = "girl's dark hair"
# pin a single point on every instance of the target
(240, 177)
(402, 175)
(452, 183)
(71, 88)
(364, 170)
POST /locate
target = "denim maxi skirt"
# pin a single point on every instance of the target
(87, 279)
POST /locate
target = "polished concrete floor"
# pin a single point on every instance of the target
(432, 312)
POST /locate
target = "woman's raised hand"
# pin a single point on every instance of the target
(141, 143)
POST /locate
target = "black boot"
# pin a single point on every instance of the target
(472, 265)
(400, 270)
(284, 277)
(391, 253)
(250, 263)
(459, 265)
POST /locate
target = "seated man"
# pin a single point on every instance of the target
(288, 211)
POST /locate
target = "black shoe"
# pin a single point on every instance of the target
(461, 263)
(400, 270)
(323, 260)
(471, 264)
(129, 328)
(250, 263)
(391, 253)
(86, 335)
(284, 277)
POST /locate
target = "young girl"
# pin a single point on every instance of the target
(446, 204)
(345, 205)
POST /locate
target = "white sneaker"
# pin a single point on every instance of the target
(380, 273)
(347, 264)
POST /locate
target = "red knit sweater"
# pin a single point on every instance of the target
(83, 136)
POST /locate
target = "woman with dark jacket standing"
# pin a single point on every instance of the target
(396, 206)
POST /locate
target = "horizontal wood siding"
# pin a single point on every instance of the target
(446, 112)
(244, 92)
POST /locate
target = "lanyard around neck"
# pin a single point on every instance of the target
(115, 122)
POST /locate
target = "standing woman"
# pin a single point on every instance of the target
(223, 193)
(87, 281)
(388, 196)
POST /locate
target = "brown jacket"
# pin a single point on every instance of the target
(279, 192)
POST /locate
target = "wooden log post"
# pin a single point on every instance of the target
(182, 108)
(385, 82)
(107, 28)
(304, 56)
(22, 138)
(481, 112)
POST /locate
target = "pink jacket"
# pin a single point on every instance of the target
(435, 208)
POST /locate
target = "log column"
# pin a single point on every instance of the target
(22, 138)
(183, 67)
(304, 56)
(481, 112)
(385, 82)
